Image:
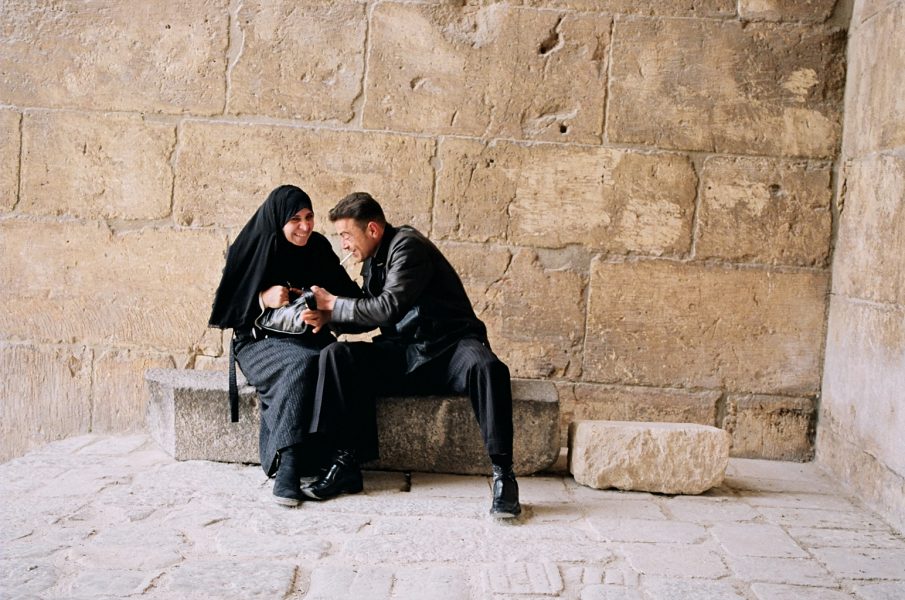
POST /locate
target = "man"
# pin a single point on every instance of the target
(431, 342)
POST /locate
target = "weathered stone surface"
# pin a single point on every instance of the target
(593, 402)
(813, 11)
(492, 71)
(46, 396)
(9, 158)
(119, 401)
(224, 172)
(866, 9)
(864, 378)
(440, 434)
(549, 196)
(534, 336)
(773, 427)
(716, 86)
(687, 325)
(765, 211)
(166, 56)
(665, 8)
(134, 289)
(669, 458)
(870, 247)
(188, 416)
(302, 83)
(96, 166)
(875, 105)
(861, 473)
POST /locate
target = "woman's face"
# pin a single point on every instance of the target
(299, 227)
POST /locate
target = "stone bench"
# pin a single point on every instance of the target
(668, 458)
(188, 415)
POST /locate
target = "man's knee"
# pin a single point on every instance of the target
(337, 354)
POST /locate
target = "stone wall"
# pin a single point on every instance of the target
(862, 411)
(638, 193)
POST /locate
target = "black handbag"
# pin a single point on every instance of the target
(287, 319)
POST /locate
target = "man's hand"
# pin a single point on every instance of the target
(325, 299)
(316, 318)
(275, 297)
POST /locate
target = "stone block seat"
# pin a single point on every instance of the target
(188, 415)
(668, 458)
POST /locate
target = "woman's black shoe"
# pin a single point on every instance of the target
(287, 489)
(505, 494)
(343, 477)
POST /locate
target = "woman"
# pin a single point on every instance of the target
(275, 255)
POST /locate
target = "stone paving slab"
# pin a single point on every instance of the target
(106, 517)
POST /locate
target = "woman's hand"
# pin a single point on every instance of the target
(275, 297)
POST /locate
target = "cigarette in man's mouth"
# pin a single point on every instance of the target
(345, 258)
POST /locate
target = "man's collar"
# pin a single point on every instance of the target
(380, 257)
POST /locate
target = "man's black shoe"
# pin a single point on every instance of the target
(505, 494)
(343, 477)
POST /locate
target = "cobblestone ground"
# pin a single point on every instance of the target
(115, 517)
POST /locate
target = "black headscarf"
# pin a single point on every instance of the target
(254, 256)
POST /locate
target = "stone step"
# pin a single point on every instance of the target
(668, 458)
(188, 415)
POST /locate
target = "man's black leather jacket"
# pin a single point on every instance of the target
(413, 295)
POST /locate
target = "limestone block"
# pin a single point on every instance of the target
(866, 9)
(491, 71)
(224, 172)
(864, 378)
(688, 325)
(765, 211)
(719, 86)
(440, 434)
(167, 56)
(771, 427)
(188, 415)
(534, 311)
(664, 8)
(303, 83)
(9, 158)
(135, 288)
(596, 402)
(604, 199)
(862, 473)
(807, 11)
(96, 166)
(119, 399)
(46, 396)
(875, 104)
(667, 458)
(870, 246)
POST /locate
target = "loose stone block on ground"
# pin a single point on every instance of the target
(669, 458)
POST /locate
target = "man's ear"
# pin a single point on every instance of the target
(373, 230)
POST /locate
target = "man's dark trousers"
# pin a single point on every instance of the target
(352, 374)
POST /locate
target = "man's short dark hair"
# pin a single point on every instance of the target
(360, 207)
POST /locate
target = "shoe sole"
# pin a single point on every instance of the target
(310, 494)
(504, 515)
(286, 501)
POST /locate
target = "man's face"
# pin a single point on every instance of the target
(361, 241)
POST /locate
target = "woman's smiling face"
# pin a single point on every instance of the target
(299, 227)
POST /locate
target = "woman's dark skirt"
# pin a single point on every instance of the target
(283, 370)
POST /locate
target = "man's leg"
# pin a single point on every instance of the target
(350, 374)
(475, 370)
